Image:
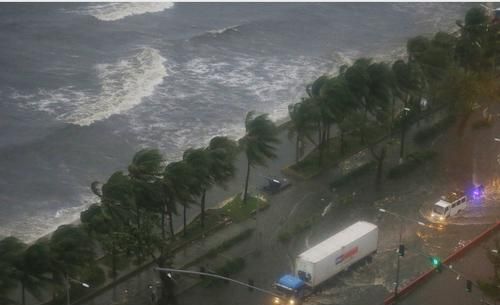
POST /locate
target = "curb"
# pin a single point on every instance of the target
(405, 290)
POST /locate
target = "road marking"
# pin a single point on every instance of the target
(326, 209)
(297, 204)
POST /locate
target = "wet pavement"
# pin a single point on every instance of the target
(266, 258)
(360, 200)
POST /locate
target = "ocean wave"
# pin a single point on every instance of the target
(117, 11)
(234, 28)
(123, 86)
(31, 227)
(209, 96)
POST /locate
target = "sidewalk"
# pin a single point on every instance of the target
(134, 287)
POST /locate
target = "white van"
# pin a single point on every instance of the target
(449, 205)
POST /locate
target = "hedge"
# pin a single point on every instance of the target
(429, 133)
(412, 162)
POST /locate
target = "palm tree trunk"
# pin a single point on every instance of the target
(321, 145)
(163, 233)
(167, 295)
(391, 128)
(113, 259)
(184, 208)
(202, 219)
(342, 142)
(297, 149)
(319, 135)
(113, 267)
(246, 183)
(363, 126)
(328, 138)
(380, 164)
(171, 224)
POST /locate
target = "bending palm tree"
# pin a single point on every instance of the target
(222, 153)
(258, 143)
(180, 179)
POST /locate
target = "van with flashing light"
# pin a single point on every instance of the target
(449, 205)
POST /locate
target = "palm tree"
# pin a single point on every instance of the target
(200, 159)
(100, 225)
(179, 179)
(146, 164)
(7, 281)
(132, 201)
(319, 112)
(475, 40)
(258, 143)
(301, 125)
(358, 80)
(27, 265)
(222, 153)
(409, 85)
(11, 249)
(371, 85)
(341, 103)
(70, 251)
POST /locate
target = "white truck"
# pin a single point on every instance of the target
(326, 259)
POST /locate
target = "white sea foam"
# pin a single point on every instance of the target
(233, 28)
(210, 96)
(123, 86)
(31, 227)
(117, 11)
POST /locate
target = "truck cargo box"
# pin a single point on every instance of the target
(338, 252)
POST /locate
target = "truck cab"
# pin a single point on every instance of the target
(449, 206)
(291, 289)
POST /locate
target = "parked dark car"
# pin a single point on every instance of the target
(275, 185)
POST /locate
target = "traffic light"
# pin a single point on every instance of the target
(436, 262)
(401, 250)
(468, 285)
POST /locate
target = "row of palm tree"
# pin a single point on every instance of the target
(440, 71)
(53, 261)
(138, 205)
(131, 218)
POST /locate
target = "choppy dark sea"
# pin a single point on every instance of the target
(83, 86)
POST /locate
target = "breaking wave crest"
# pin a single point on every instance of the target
(31, 227)
(123, 86)
(117, 11)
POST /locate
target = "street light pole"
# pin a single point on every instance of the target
(68, 302)
(403, 134)
(398, 263)
(67, 280)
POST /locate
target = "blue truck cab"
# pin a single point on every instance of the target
(291, 288)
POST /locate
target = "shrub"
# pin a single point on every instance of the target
(412, 162)
(359, 171)
(231, 266)
(224, 246)
(286, 236)
(429, 133)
